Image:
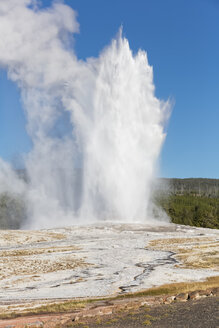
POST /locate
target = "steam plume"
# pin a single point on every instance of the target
(96, 125)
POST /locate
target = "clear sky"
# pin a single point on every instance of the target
(181, 39)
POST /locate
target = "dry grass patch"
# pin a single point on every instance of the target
(38, 265)
(37, 251)
(23, 237)
(35, 261)
(61, 307)
(147, 323)
(193, 253)
(177, 288)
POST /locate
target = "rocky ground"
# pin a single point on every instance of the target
(194, 314)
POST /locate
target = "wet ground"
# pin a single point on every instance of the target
(103, 260)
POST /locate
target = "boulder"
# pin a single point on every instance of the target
(194, 295)
(182, 297)
(169, 299)
(215, 291)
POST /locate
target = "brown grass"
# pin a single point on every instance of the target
(22, 237)
(62, 307)
(177, 288)
(37, 251)
(35, 266)
(35, 261)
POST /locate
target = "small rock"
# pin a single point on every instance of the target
(194, 295)
(147, 301)
(159, 300)
(169, 299)
(208, 292)
(183, 297)
(215, 291)
(106, 310)
(102, 310)
(101, 303)
(202, 293)
(76, 318)
(36, 324)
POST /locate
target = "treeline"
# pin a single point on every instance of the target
(192, 202)
(12, 211)
(192, 186)
(189, 209)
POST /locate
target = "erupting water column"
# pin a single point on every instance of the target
(124, 138)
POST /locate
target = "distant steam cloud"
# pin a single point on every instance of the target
(96, 125)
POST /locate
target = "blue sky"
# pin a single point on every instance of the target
(181, 39)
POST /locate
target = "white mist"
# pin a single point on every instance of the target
(96, 126)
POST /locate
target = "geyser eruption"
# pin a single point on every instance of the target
(122, 137)
(96, 126)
